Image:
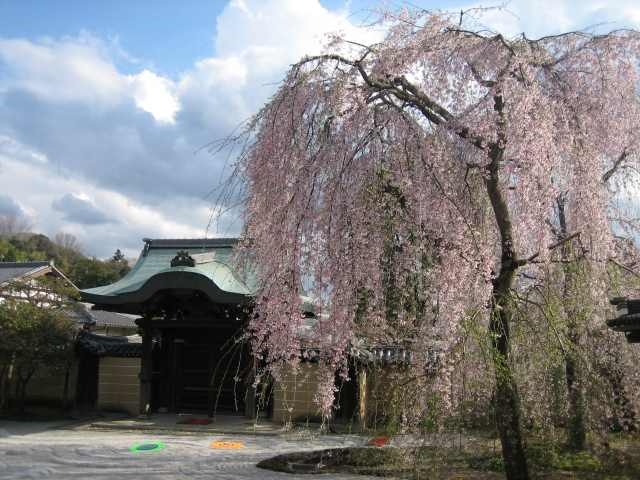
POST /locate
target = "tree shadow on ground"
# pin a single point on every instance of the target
(621, 460)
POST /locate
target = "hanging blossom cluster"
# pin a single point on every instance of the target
(369, 180)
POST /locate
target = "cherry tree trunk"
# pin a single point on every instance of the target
(507, 402)
(506, 396)
(577, 432)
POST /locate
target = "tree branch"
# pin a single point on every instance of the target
(550, 247)
(627, 269)
(478, 77)
(609, 173)
(405, 91)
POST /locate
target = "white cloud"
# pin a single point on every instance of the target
(79, 208)
(62, 71)
(216, 85)
(79, 70)
(280, 31)
(537, 18)
(155, 95)
(134, 220)
(256, 41)
(9, 207)
(12, 148)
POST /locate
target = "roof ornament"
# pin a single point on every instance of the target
(183, 259)
(147, 245)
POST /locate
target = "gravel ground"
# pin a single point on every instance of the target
(30, 451)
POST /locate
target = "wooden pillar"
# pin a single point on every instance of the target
(250, 403)
(362, 398)
(146, 370)
(175, 385)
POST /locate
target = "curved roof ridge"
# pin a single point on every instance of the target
(190, 242)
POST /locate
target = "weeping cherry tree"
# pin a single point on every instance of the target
(434, 159)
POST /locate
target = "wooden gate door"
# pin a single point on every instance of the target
(209, 371)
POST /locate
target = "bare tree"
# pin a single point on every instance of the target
(13, 224)
(67, 241)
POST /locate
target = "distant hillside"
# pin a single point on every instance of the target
(85, 272)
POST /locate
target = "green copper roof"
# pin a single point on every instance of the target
(211, 270)
(215, 271)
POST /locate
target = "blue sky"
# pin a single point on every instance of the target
(104, 106)
(167, 35)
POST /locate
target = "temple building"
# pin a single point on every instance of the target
(27, 273)
(77, 384)
(192, 303)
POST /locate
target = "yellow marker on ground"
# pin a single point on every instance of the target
(227, 445)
